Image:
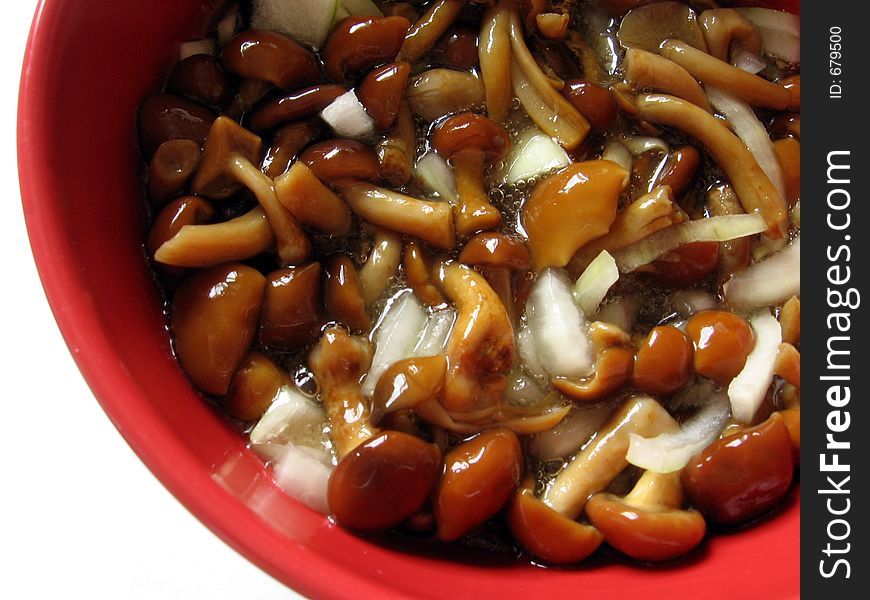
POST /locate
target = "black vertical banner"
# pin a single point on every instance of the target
(835, 170)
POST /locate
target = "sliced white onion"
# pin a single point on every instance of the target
(522, 390)
(780, 32)
(362, 8)
(557, 327)
(688, 302)
(228, 26)
(714, 229)
(671, 452)
(394, 336)
(292, 417)
(637, 144)
(748, 61)
(436, 175)
(597, 279)
(748, 388)
(527, 349)
(532, 153)
(616, 152)
(621, 311)
(194, 47)
(306, 21)
(572, 433)
(303, 473)
(348, 117)
(435, 334)
(769, 282)
(750, 130)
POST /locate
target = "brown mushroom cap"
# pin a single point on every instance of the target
(338, 159)
(547, 534)
(383, 481)
(165, 117)
(648, 524)
(270, 56)
(298, 104)
(408, 383)
(357, 43)
(491, 249)
(470, 131)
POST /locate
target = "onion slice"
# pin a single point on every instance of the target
(303, 473)
(532, 153)
(748, 388)
(780, 32)
(348, 117)
(435, 333)
(769, 282)
(671, 452)
(394, 336)
(714, 229)
(749, 129)
(437, 176)
(748, 61)
(592, 286)
(556, 328)
(291, 418)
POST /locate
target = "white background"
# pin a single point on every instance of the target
(80, 516)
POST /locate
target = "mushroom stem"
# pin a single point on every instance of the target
(647, 70)
(424, 33)
(380, 269)
(495, 59)
(480, 349)
(292, 242)
(724, 26)
(656, 490)
(718, 73)
(396, 151)
(753, 188)
(598, 463)
(474, 212)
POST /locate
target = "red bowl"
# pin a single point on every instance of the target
(86, 68)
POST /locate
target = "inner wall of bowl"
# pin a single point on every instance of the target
(100, 60)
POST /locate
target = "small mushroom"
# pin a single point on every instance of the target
(382, 478)
(397, 150)
(438, 92)
(418, 273)
(410, 383)
(382, 265)
(480, 349)
(254, 386)
(546, 533)
(382, 91)
(344, 299)
(613, 365)
(594, 467)
(336, 160)
(647, 70)
(593, 101)
(359, 43)
(647, 27)
(171, 167)
(295, 105)
(164, 117)
(663, 362)
(312, 203)
(247, 96)
(742, 475)
(722, 341)
(423, 34)
(430, 221)
(268, 56)
(479, 476)
(228, 160)
(678, 170)
(201, 78)
(458, 48)
(497, 255)
(199, 245)
(649, 523)
(570, 208)
(724, 28)
(214, 319)
(471, 143)
(187, 210)
(288, 142)
(753, 188)
(495, 60)
(291, 315)
(710, 70)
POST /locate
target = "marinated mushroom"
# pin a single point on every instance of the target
(164, 117)
(171, 168)
(649, 523)
(423, 34)
(271, 57)
(380, 269)
(725, 28)
(292, 308)
(397, 150)
(497, 256)
(418, 271)
(646, 27)
(649, 70)
(312, 203)
(298, 104)
(437, 92)
(382, 477)
(228, 160)
(344, 296)
(359, 43)
(381, 93)
(337, 160)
